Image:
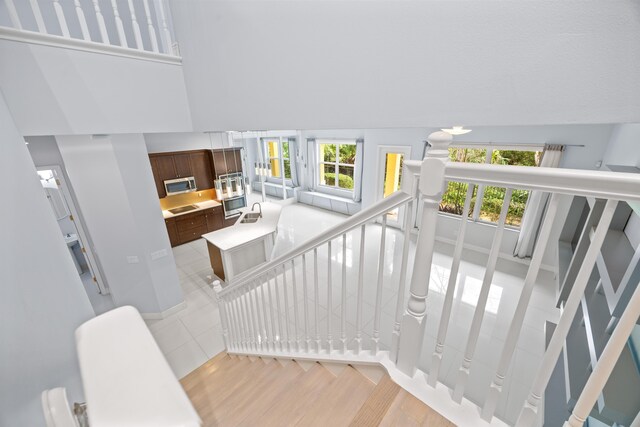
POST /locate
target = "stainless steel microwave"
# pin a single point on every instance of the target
(180, 185)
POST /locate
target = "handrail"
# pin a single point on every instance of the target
(393, 201)
(589, 183)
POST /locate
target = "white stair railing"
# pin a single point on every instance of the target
(263, 306)
(46, 26)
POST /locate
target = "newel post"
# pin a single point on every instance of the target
(431, 187)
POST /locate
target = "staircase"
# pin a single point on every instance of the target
(248, 391)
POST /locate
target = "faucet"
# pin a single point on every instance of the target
(259, 205)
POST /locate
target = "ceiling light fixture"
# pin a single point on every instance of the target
(457, 130)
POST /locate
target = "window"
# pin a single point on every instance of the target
(337, 159)
(488, 209)
(277, 155)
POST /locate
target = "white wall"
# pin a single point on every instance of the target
(624, 147)
(183, 141)
(54, 91)
(42, 300)
(375, 64)
(113, 182)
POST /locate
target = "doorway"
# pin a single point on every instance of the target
(75, 237)
(390, 163)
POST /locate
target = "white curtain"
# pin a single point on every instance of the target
(312, 163)
(357, 173)
(536, 205)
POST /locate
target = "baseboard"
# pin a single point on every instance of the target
(159, 316)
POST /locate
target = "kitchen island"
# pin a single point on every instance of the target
(244, 245)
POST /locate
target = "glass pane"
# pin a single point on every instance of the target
(468, 155)
(327, 152)
(275, 168)
(327, 174)
(287, 169)
(345, 179)
(392, 173)
(453, 199)
(285, 149)
(347, 154)
(273, 149)
(517, 158)
(492, 203)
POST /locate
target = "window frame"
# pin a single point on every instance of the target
(265, 149)
(480, 190)
(335, 189)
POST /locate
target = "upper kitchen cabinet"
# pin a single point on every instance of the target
(226, 161)
(201, 169)
(182, 163)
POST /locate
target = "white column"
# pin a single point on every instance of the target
(13, 14)
(343, 308)
(431, 187)
(82, 20)
(305, 296)
(378, 307)
(61, 20)
(491, 400)
(296, 320)
(165, 34)
(150, 27)
(101, 24)
(530, 411)
(360, 286)
(119, 25)
(443, 326)
(37, 14)
(136, 28)
(329, 298)
(316, 298)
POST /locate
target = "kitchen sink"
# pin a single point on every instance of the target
(250, 218)
(183, 209)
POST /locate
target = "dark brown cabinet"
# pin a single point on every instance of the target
(201, 168)
(214, 218)
(226, 161)
(157, 177)
(172, 231)
(182, 164)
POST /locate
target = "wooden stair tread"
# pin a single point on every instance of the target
(407, 410)
(287, 406)
(376, 406)
(340, 402)
(211, 373)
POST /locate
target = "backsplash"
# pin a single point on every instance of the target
(171, 202)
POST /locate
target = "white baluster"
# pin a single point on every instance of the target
(82, 20)
(529, 412)
(235, 323)
(317, 298)
(359, 296)
(257, 322)
(431, 186)
(268, 332)
(37, 14)
(61, 19)
(480, 193)
(329, 298)
(491, 399)
(282, 341)
(101, 24)
(306, 303)
(119, 24)
(343, 311)
(248, 321)
(223, 313)
(296, 321)
(165, 33)
(402, 285)
(275, 328)
(478, 315)
(378, 309)
(240, 323)
(152, 30)
(136, 28)
(286, 307)
(13, 15)
(436, 358)
(607, 361)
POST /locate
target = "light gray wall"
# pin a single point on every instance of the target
(113, 182)
(378, 64)
(624, 148)
(42, 300)
(183, 141)
(53, 91)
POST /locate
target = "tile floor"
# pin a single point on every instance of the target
(192, 336)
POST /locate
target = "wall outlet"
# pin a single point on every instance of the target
(159, 254)
(133, 259)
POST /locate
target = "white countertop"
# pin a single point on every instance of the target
(126, 379)
(239, 234)
(201, 206)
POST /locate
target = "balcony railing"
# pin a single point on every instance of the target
(128, 27)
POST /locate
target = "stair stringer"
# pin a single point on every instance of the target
(438, 398)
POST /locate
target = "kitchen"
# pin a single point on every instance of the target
(203, 194)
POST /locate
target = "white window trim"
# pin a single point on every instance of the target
(333, 189)
(288, 182)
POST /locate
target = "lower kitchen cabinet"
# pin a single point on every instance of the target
(214, 218)
(192, 226)
(172, 231)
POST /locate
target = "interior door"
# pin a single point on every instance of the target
(390, 169)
